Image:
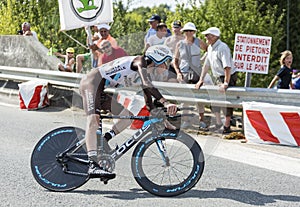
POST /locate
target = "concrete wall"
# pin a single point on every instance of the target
(25, 51)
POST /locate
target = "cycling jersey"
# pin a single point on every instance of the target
(119, 72)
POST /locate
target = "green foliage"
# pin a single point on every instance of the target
(128, 30)
(130, 27)
(294, 31)
(258, 17)
(8, 18)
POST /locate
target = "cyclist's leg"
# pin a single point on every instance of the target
(117, 109)
(89, 87)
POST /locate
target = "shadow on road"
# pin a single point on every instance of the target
(242, 196)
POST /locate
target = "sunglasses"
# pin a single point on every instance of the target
(189, 30)
(167, 63)
(70, 52)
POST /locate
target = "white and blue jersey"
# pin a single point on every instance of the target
(119, 73)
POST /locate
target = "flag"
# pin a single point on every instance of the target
(79, 13)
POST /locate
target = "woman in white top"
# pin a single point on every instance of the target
(188, 53)
(187, 58)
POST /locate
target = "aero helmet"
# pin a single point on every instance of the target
(159, 54)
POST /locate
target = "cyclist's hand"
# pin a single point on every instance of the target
(168, 125)
(171, 108)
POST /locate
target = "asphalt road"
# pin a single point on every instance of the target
(235, 174)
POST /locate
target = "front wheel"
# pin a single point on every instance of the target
(169, 165)
(60, 174)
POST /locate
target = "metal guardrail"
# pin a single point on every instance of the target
(53, 77)
(209, 95)
(234, 96)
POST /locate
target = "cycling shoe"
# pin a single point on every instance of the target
(95, 171)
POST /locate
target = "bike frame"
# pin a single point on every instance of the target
(148, 126)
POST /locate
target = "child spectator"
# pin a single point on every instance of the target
(69, 60)
(284, 75)
(81, 58)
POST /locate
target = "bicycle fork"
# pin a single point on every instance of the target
(163, 152)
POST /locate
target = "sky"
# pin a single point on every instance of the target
(152, 3)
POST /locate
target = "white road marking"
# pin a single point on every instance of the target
(9, 105)
(258, 158)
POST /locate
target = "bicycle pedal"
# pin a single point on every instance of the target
(104, 180)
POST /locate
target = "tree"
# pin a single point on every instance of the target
(290, 10)
(129, 27)
(8, 19)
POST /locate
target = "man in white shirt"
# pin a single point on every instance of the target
(219, 59)
(27, 32)
(153, 21)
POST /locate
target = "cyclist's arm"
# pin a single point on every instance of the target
(149, 89)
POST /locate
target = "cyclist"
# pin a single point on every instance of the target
(124, 71)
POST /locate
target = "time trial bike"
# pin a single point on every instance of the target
(164, 162)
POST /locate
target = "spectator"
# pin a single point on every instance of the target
(159, 38)
(69, 60)
(104, 30)
(171, 42)
(187, 63)
(110, 53)
(284, 75)
(153, 21)
(81, 58)
(176, 37)
(219, 59)
(96, 35)
(296, 79)
(26, 31)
